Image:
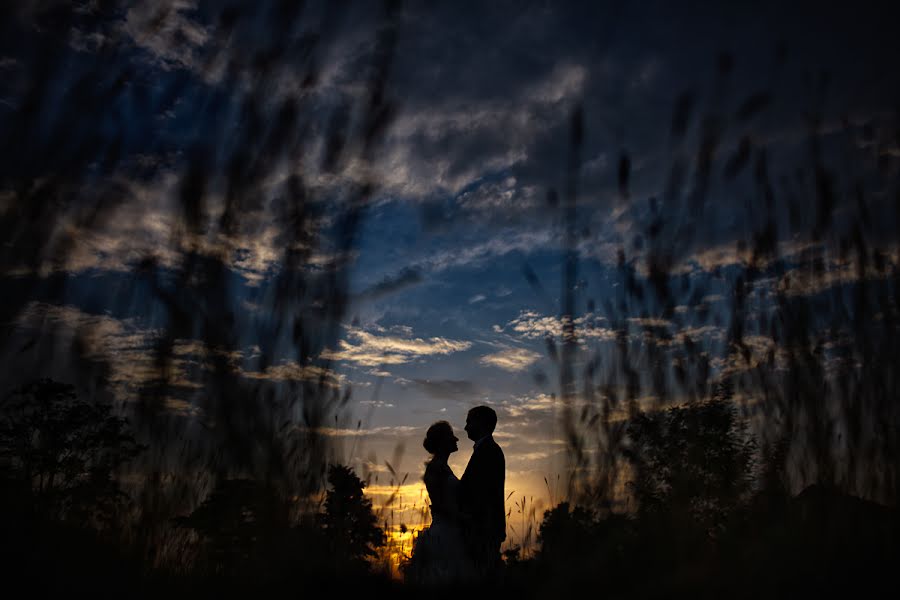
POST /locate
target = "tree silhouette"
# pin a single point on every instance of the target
(694, 460)
(241, 522)
(565, 532)
(248, 533)
(348, 521)
(64, 452)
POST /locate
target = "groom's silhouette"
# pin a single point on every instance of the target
(481, 492)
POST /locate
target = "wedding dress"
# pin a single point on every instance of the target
(439, 555)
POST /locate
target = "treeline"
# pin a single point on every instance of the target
(68, 525)
(713, 517)
(710, 515)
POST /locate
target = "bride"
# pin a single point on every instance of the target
(439, 556)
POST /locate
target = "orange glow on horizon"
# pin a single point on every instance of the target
(404, 512)
(398, 549)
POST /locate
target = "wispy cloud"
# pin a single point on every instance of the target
(513, 360)
(398, 430)
(145, 223)
(499, 245)
(524, 405)
(125, 347)
(650, 322)
(291, 371)
(533, 325)
(390, 284)
(167, 32)
(128, 350)
(372, 350)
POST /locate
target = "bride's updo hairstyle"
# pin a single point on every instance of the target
(436, 435)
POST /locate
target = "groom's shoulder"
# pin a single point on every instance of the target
(493, 446)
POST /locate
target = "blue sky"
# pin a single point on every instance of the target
(455, 271)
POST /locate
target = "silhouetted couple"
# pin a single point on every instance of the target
(468, 521)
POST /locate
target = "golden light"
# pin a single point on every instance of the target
(403, 512)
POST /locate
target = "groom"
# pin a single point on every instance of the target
(481, 492)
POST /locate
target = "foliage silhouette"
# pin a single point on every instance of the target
(241, 522)
(62, 506)
(348, 521)
(249, 533)
(695, 460)
(66, 452)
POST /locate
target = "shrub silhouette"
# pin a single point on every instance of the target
(692, 461)
(348, 521)
(566, 532)
(240, 522)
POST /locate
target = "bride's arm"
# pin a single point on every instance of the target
(442, 498)
(436, 490)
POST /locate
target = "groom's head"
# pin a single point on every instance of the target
(480, 422)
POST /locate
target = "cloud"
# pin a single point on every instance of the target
(376, 403)
(663, 336)
(756, 350)
(406, 277)
(182, 408)
(386, 431)
(292, 371)
(502, 201)
(168, 34)
(499, 244)
(379, 373)
(730, 253)
(527, 458)
(650, 322)
(711, 331)
(810, 267)
(373, 350)
(129, 352)
(530, 404)
(441, 143)
(532, 325)
(145, 222)
(513, 360)
(804, 280)
(126, 348)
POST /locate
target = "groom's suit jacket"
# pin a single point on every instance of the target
(481, 492)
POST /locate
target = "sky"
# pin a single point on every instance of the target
(700, 126)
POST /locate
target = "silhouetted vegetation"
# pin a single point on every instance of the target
(758, 461)
(63, 453)
(59, 457)
(348, 522)
(248, 532)
(696, 460)
(708, 524)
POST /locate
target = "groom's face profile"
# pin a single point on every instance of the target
(474, 429)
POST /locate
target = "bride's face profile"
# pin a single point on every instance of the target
(440, 439)
(449, 443)
(452, 443)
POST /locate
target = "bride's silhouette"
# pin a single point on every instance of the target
(439, 555)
